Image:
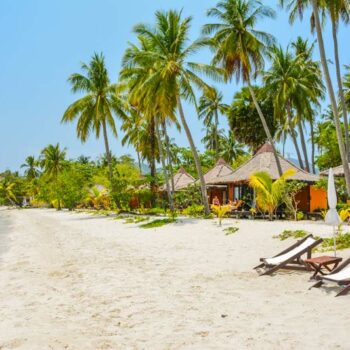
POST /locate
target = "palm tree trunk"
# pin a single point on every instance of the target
(216, 132)
(303, 146)
(195, 156)
(312, 132)
(342, 150)
(170, 164)
(108, 153)
(165, 172)
(153, 182)
(341, 91)
(266, 128)
(139, 161)
(294, 137)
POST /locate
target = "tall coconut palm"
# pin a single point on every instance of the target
(170, 77)
(338, 10)
(94, 111)
(297, 7)
(31, 168)
(239, 47)
(212, 138)
(53, 160)
(296, 86)
(210, 106)
(230, 148)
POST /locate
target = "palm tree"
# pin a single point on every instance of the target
(162, 74)
(230, 149)
(212, 138)
(238, 47)
(296, 86)
(95, 110)
(269, 193)
(31, 166)
(6, 191)
(210, 105)
(338, 11)
(53, 160)
(297, 7)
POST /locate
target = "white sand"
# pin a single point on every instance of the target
(73, 281)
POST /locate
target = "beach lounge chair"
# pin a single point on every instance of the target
(340, 275)
(290, 258)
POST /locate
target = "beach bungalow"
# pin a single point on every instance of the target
(337, 171)
(182, 179)
(215, 188)
(310, 198)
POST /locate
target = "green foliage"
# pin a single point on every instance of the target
(300, 215)
(194, 211)
(291, 190)
(342, 242)
(157, 223)
(291, 234)
(231, 230)
(191, 195)
(244, 119)
(269, 194)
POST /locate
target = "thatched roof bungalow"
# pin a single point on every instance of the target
(182, 179)
(236, 182)
(337, 171)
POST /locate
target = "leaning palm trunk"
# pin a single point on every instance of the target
(195, 156)
(108, 152)
(153, 170)
(303, 146)
(165, 172)
(294, 137)
(170, 164)
(312, 132)
(342, 150)
(266, 128)
(340, 88)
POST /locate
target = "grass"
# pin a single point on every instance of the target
(231, 230)
(157, 223)
(291, 234)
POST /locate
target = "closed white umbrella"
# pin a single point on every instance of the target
(332, 217)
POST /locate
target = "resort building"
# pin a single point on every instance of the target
(182, 179)
(234, 184)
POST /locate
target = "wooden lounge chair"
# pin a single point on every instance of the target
(290, 258)
(340, 275)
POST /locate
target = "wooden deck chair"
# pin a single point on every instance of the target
(340, 275)
(291, 257)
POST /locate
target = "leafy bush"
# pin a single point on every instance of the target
(187, 197)
(342, 242)
(231, 230)
(291, 234)
(154, 211)
(157, 223)
(300, 215)
(194, 211)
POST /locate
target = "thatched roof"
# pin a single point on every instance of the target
(337, 171)
(264, 160)
(220, 169)
(182, 179)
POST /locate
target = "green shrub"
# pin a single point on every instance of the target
(342, 242)
(157, 223)
(231, 230)
(154, 211)
(194, 211)
(291, 234)
(300, 215)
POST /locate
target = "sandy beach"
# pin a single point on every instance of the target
(76, 281)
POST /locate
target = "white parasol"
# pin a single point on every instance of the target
(332, 217)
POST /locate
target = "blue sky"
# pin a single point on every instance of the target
(43, 42)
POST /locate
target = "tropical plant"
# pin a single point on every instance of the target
(296, 8)
(95, 110)
(269, 193)
(243, 117)
(98, 198)
(290, 197)
(210, 106)
(31, 168)
(7, 192)
(239, 47)
(53, 160)
(230, 148)
(161, 75)
(220, 211)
